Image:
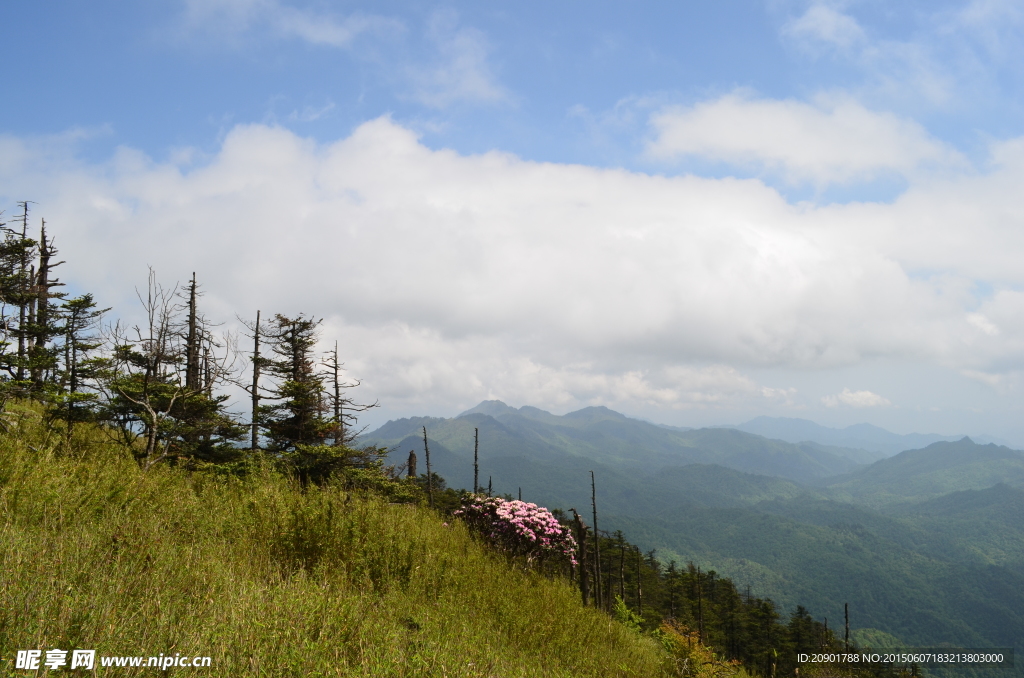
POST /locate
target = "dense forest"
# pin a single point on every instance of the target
(159, 390)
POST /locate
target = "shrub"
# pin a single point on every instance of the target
(518, 528)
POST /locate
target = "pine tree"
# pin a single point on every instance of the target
(43, 326)
(147, 391)
(77, 396)
(299, 425)
(296, 417)
(17, 250)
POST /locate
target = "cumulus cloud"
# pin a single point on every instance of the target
(450, 278)
(858, 399)
(832, 139)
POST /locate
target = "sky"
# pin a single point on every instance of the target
(691, 212)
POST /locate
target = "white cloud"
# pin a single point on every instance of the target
(829, 140)
(858, 399)
(954, 56)
(460, 72)
(234, 17)
(311, 113)
(451, 278)
(450, 66)
(825, 23)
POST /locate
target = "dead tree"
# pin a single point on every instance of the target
(430, 476)
(253, 388)
(597, 544)
(146, 382)
(345, 409)
(639, 583)
(581, 537)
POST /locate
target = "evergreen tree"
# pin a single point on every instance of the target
(148, 393)
(300, 425)
(16, 281)
(296, 416)
(76, 397)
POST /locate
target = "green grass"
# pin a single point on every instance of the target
(268, 579)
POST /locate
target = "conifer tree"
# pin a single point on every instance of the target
(77, 397)
(147, 389)
(299, 427)
(17, 250)
(296, 417)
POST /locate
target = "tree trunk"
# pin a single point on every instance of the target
(598, 598)
(476, 460)
(254, 443)
(581, 532)
(430, 477)
(192, 368)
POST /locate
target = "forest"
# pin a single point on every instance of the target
(159, 393)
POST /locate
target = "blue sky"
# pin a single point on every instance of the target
(692, 212)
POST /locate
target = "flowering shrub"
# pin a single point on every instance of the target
(518, 528)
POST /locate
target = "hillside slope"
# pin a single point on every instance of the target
(271, 579)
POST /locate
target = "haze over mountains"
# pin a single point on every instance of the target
(925, 544)
(859, 436)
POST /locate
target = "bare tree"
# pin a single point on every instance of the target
(344, 408)
(146, 381)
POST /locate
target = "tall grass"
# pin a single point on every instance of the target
(269, 579)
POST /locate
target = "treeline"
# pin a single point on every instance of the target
(160, 386)
(708, 609)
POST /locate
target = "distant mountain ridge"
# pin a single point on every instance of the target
(868, 437)
(933, 471)
(605, 437)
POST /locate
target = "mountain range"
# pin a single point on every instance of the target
(866, 437)
(926, 545)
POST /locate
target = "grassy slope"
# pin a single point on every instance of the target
(269, 580)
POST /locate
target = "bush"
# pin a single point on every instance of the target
(518, 528)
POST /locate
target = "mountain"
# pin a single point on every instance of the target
(922, 598)
(603, 436)
(926, 546)
(985, 527)
(938, 469)
(875, 442)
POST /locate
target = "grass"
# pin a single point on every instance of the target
(269, 579)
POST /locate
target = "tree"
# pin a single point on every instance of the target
(296, 417)
(73, 402)
(42, 358)
(148, 394)
(344, 408)
(308, 429)
(25, 298)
